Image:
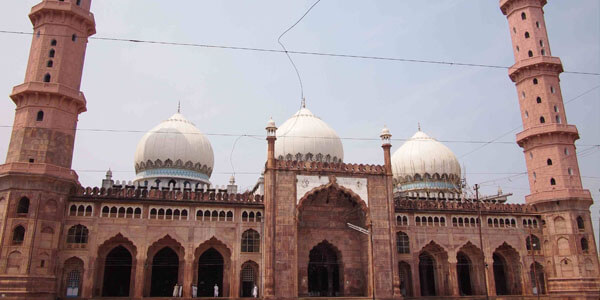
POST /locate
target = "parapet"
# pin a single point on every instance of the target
(314, 166)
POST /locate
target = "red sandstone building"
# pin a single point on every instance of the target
(313, 226)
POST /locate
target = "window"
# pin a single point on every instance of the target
(526, 114)
(50, 64)
(534, 175)
(530, 53)
(402, 243)
(51, 53)
(40, 116)
(105, 212)
(538, 100)
(88, 211)
(584, 245)
(535, 81)
(549, 162)
(23, 206)
(555, 108)
(244, 217)
(229, 216)
(526, 34)
(73, 210)
(523, 16)
(536, 243)
(47, 77)
(542, 120)
(580, 224)
(537, 24)
(78, 2)
(557, 118)
(18, 235)
(77, 234)
(250, 241)
(74, 37)
(566, 151)
(543, 52)
(258, 217)
(514, 30)
(53, 43)
(552, 89)
(517, 48)
(570, 171)
(552, 181)
(541, 43)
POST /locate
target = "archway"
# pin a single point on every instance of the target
(507, 271)
(323, 271)
(537, 278)
(405, 279)
(210, 273)
(117, 273)
(463, 272)
(165, 272)
(427, 274)
(72, 279)
(248, 278)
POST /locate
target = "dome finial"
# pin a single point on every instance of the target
(178, 107)
(419, 126)
(303, 102)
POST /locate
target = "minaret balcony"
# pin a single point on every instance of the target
(534, 67)
(559, 195)
(46, 8)
(35, 89)
(547, 129)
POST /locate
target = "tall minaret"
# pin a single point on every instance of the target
(548, 143)
(37, 179)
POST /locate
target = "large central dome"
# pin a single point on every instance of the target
(175, 149)
(305, 137)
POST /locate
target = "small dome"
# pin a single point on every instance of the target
(175, 149)
(424, 163)
(271, 123)
(305, 137)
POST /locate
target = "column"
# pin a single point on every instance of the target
(138, 278)
(453, 276)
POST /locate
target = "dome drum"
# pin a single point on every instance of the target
(158, 164)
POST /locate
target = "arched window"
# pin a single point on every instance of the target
(50, 64)
(184, 214)
(138, 213)
(526, 34)
(541, 43)
(77, 234)
(250, 241)
(549, 162)
(542, 120)
(81, 211)
(552, 181)
(214, 216)
(121, 212)
(129, 213)
(580, 224)
(74, 37)
(18, 235)
(105, 212)
(88, 211)
(542, 52)
(523, 16)
(73, 210)
(251, 216)
(153, 213)
(207, 215)
(169, 214)
(258, 217)
(47, 77)
(402, 243)
(229, 216)
(530, 53)
(78, 2)
(584, 245)
(535, 81)
(51, 53)
(538, 100)
(558, 119)
(222, 216)
(53, 43)
(244, 217)
(23, 206)
(535, 240)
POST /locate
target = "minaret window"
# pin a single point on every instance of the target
(570, 171)
(78, 2)
(526, 34)
(523, 16)
(549, 162)
(552, 89)
(18, 235)
(538, 100)
(523, 94)
(558, 120)
(535, 81)
(543, 52)
(53, 43)
(526, 114)
(49, 64)
(542, 120)
(584, 245)
(51, 53)
(580, 224)
(23, 207)
(566, 151)
(555, 108)
(47, 77)
(40, 116)
(541, 43)
(530, 53)
(537, 24)
(514, 30)
(534, 175)
(74, 37)
(552, 181)
(517, 48)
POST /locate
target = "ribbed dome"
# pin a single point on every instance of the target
(305, 137)
(174, 148)
(422, 158)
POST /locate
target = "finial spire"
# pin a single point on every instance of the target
(178, 107)
(303, 102)
(419, 126)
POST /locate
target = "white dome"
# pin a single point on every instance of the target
(423, 156)
(305, 137)
(174, 148)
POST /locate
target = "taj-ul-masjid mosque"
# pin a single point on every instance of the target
(313, 226)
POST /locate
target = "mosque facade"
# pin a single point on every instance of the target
(313, 225)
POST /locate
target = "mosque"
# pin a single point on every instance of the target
(312, 226)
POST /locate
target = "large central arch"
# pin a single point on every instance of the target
(333, 260)
(433, 270)
(165, 268)
(213, 266)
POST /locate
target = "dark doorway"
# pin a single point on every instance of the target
(248, 280)
(210, 272)
(537, 274)
(405, 279)
(117, 273)
(500, 275)
(427, 274)
(323, 272)
(165, 272)
(463, 271)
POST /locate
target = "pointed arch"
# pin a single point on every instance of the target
(507, 270)
(212, 249)
(116, 255)
(249, 279)
(433, 264)
(332, 185)
(72, 277)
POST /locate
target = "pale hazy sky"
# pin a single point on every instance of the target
(135, 86)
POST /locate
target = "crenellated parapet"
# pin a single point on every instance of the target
(430, 205)
(313, 166)
(133, 193)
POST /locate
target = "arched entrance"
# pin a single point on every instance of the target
(72, 277)
(463, 272)
(427, 274)
(249, 278)
(210, 273)
(165, 271)
(500, 275)
(323, 271)
(117, 273)
(537, 274)
(405, 279)
(507, 271)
